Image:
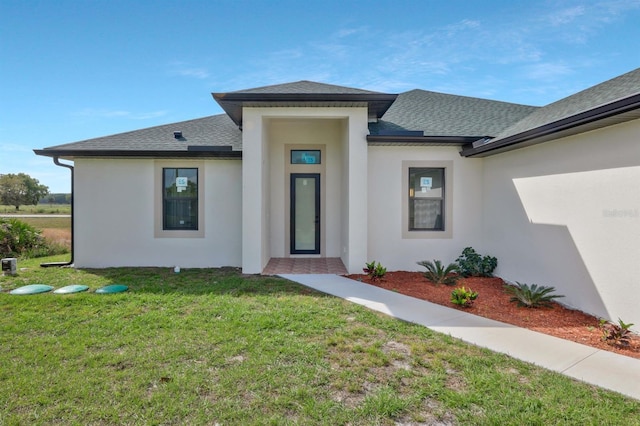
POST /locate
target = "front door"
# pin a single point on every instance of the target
(305, 213)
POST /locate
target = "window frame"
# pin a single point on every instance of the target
(179, 171)
(159, 200)
(447, 231)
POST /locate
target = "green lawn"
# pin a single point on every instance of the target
(215, 347)
(37, 209)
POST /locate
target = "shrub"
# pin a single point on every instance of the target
(463, 297)
(471, 264)
(438, 274)
(19, 239)
(533, 296)
(616, 334)
(375, 271)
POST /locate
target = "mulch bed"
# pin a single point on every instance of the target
(493, 302)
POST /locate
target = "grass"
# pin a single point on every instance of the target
(211, 346)
(37, 209)
(48, 222)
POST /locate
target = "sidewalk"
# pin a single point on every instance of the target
(594, 366)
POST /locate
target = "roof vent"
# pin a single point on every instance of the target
(177, 135)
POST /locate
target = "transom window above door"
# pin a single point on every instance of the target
(305, 156)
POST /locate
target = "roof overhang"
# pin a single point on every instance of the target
(418, 140)
(213, 152)
(233, 103)
(620, 111)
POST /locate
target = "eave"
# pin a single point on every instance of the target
(219, 153)
(606, 115)
(414, 140)
(232, 103)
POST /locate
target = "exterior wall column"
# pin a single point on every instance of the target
(356, 177)
(254, 182)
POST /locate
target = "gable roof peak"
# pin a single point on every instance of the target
(303, 87)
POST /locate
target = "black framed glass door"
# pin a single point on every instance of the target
(305, 213)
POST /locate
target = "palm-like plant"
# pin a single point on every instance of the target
(533, 296)
(437, 273)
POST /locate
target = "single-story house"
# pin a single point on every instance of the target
(307, 169)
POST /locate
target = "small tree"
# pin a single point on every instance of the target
(21, 189)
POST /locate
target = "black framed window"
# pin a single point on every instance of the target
(426, 199)
(180, 199)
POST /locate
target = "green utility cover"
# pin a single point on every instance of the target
(32, 289)
(115, 288)
(74, 288)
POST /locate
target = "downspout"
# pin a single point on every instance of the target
(70, 262)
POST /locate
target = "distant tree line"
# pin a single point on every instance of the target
(56, 199)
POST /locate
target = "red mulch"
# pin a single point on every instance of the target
(493, 303)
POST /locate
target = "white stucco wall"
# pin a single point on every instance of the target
(385, 177)
(566, 214)
(114, 216)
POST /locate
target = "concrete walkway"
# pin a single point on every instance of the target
(594, 366)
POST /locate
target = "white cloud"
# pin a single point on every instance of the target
(566, 16)
(184, 69)
(106, 113)
(547, 71)
(6, 147)
(200, 73)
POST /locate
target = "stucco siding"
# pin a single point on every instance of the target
(566, 214)
(115, 204)
(385, 198)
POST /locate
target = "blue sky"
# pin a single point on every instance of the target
(74, 70)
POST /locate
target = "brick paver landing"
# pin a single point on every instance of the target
(305, 265)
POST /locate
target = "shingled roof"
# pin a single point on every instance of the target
(441, 114)
(303, 94)
(305, 87)
(213, 136)
(417, 117)
(614, 101)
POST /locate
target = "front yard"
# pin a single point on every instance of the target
(215, 347)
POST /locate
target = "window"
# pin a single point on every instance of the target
(426, 199)
(309, 156)
(180, 199)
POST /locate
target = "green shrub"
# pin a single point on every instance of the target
(438, 274)
(471, 264)
(533, 296)
(19, 239)
(464, 297)
(375, 270)
(616, 334)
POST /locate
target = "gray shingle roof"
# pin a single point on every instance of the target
(415, 115)
(612, 102)
(303, 94)
(212, 131)
(612, 90)
(440, 114)
(305, 87)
